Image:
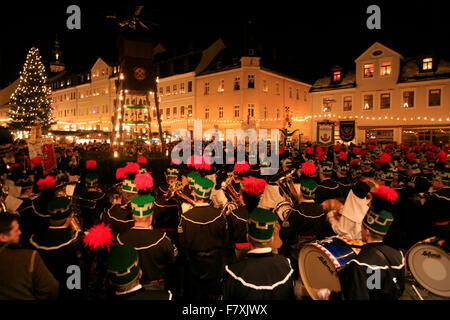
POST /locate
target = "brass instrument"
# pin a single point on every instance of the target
(75, 223)
(175, 189)
(227, 187)
(287, 188)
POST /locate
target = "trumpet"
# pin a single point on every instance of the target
(227, 187)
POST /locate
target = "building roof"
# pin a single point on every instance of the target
(326, 83)
(411, 71)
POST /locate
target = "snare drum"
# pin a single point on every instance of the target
(319, 263)
(429, 264)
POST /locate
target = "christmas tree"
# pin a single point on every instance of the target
(30, 104)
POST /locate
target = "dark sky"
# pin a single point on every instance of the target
(312, 35)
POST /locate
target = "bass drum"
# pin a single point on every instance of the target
(319, 263)
(429, 265)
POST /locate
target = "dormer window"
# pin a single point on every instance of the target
(368, 70)
(386, 68)
(336, 76)
(427, 64)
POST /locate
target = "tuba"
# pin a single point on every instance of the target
(227, 187)
(175, 189)
(287, 190)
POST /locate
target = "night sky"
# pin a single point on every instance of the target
(311, 36)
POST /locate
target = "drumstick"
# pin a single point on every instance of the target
(417, 292)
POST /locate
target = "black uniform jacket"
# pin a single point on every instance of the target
(155, 251)
(261, 276)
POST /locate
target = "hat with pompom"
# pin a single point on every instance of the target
(122, 265)
(379, 217)
(261, 224)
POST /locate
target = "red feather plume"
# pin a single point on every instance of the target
(142, 160)
(441, 157)
(410, 157)
(354, 162)
(99, 236)
(121, 173)
(321, 156)
(309, 150)
(47, 183)
(253, 186)
(429, 154)
(132, 167)
(143, 181)
(386, 194)
(36, 161)
(342, 156)
(378, 164)
(319, 149)
(363, 153)
(241, 167)
(337, 148)
(308, 168)
(372, 147)
(434, 148)
(91, 164)
(385, 158)
(281, 150)
(356, 150)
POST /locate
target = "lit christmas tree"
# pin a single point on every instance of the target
(30, 104)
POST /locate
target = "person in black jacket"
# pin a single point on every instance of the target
(263, 275)
(124, 273)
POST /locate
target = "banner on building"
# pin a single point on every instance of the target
(325, 133)
(347, 130)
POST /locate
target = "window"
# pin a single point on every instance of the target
(385, 69)
(348, 103)
(174, 112)
(368, 70)
(251, 110)
(190, 110)
(175, 89)
(236, 111)
(304, 95)
(106, 108)
(182, 87)
(221, 87)
(427, 64)
(434, 97)
(297, 93)
(278, 113)
(336, 76)
(265, 112)
(220, 112)
(237, 83)
(408, 99)
(385, 101)
(189, 86)
(154, 114)
(168, 90)
(327, 104)
(251, 81)
(277, 89)
(161, 91)
(368, 102)
(168, 113)
(206, 113)
(290, 92)
(265, 86)
(182, 111)
(161, 113)
(206, 92)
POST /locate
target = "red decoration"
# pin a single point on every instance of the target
(132, 167)
(386, 194)
(356, 150)
(99, 236)
(253, 186)
(337, 148)
(36, 161)
(143, 181)
(308, 168)
(47, 183)
(410, 157)
(309, 150)
(354, 162)
(121, 173)
(342, 156)
(91, 164)
(385, 158)
(441, 157)
(142, 160)
(241, 167)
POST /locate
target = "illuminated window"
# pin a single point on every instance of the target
(327, 104)
(175, 89)
(182, 111)
(182, 87)
(336, 76)
(278, 113)
(368, 102)
(368, 70)
(206, 113)
(348, 103)
(427, 64)
(206, 92)
(385, 69)
(220, 112)
(408, 99)
(168, 113)
(168, 90)
(385, 101)
(434, 97)
(236, 111)
(237, 83)
(190, 110)
(174, 112)
(221, 87)
(161, 91)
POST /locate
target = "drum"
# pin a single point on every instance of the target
(319, 263)
(429, 265)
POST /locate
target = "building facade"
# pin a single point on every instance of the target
(389, 97)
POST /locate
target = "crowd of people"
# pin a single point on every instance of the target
(220, 231)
